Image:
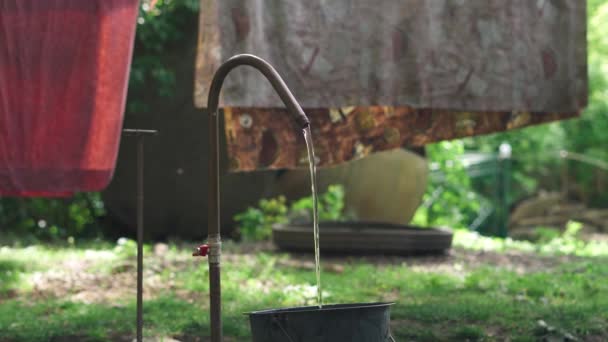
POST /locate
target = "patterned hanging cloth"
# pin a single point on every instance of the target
(380, 75)
(64, 68)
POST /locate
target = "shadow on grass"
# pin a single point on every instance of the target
(10, 272)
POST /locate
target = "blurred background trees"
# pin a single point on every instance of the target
(536, 163)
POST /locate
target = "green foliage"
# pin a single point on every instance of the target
(550, 242)
(330, 205)
(572, 230)
(255, 223)
(52, 218)
(10, 271)
(535, 155)
(468, 333)
(545, 234)
(126, 248)
(450, 201)
(587, 135)
(162, 25)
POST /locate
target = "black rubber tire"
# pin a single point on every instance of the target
(363, 237)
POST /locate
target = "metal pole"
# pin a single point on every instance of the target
(565, 175)
(214, 239)
(140, 134)
(504, 156)
(497, 220)
(140, 236)
(504, 173)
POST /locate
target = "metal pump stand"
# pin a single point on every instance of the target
(214, 244)
(140, 134)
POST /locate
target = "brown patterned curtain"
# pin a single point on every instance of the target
(380, 75)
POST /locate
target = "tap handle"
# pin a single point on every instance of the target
(201, 250)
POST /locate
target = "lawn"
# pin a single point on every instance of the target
(483, 290)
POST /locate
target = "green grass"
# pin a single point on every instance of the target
(485, 302)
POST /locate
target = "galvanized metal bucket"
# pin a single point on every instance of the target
(361, 322)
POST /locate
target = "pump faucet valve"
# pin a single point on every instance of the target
(201, 250)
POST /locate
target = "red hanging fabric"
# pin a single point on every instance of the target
(64, 67)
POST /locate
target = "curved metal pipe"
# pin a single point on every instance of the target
(269, 72)
(213, 238)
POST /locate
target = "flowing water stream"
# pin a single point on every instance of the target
(315, 214)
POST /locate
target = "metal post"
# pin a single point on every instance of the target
(565, 173)
(496, 220)
(140, 236)
(140, 134)
(504, 156)
(214, 239)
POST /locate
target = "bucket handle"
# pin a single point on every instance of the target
(277, 320)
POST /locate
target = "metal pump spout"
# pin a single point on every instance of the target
(267, 70)
(213, 247)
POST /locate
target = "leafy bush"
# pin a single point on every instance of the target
(255, 223)
(331, 206)
(52, 218)
(162, 24)
(567, 243)
(451, 201)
